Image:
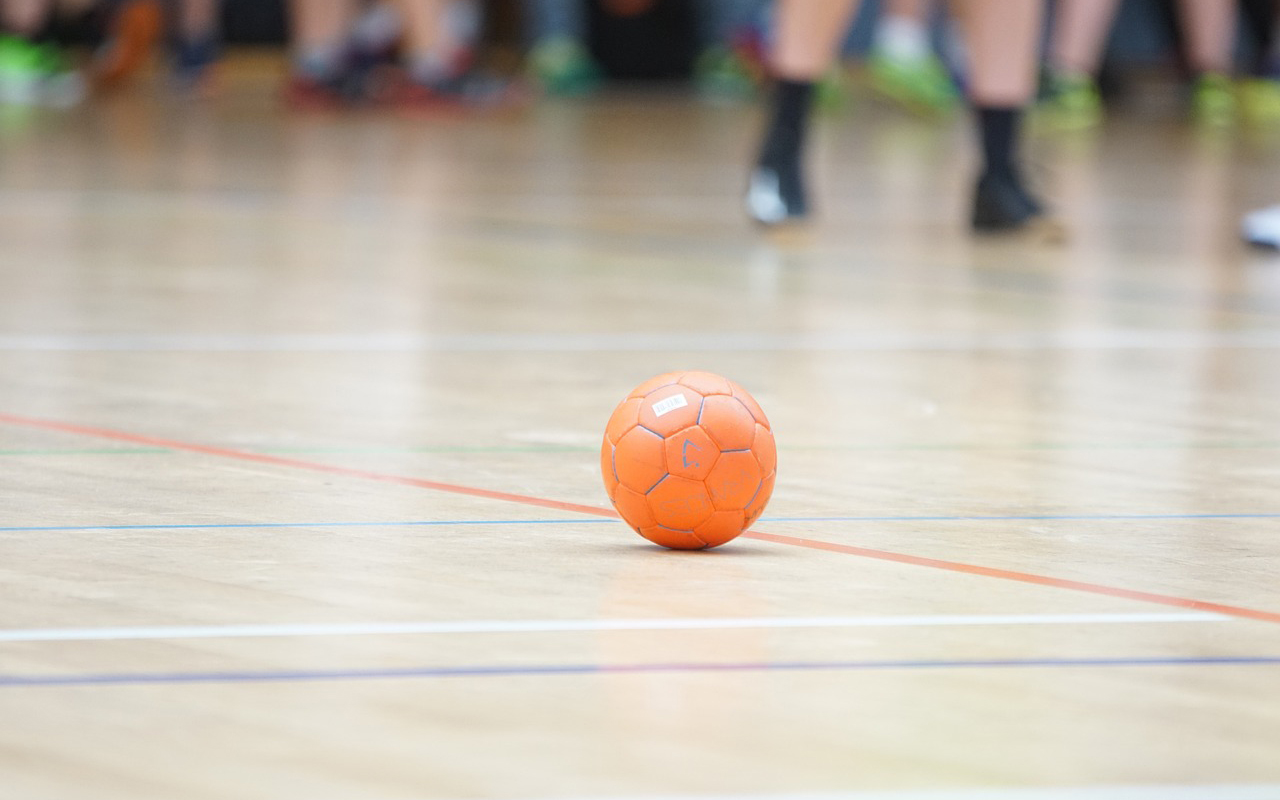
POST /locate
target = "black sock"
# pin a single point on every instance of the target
(999, 129)
(1260, 24)
(788, 124)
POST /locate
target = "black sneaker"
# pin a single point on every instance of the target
(1001, 202)
(776, 195)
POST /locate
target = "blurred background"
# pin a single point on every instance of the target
(58, 52)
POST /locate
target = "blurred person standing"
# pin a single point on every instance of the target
(410, 53)
(1079, 34)
(1002, 39)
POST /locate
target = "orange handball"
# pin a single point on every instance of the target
(689, 460)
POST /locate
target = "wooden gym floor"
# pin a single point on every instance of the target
(299, 418)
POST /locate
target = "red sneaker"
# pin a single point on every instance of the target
(309, 94)
(466, 90)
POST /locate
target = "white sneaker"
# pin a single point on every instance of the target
(775, 197)
(1262, 227)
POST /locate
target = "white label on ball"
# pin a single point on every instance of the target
(670, 404)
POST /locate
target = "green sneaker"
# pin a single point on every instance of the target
(830, 92)
(1071, 100)
(1260, 100)
(921, 85)
(564, 68)
(721, 74)
(36, 74)
(1213, 102)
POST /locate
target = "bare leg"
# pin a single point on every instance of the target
(1080, 29)
(808, 36)
(195, 46)
(319, 26)
(1003, 36)
(913, 9)
(1209, 26)
(1079, 36)
(438, 37)
(25, 17)
(197, 19)
(425, 30)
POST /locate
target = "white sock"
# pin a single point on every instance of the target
(902, 38)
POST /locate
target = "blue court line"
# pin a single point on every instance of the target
(608, 520)
(533, 670)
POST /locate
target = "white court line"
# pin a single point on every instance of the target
(559, 626)
(1230, 791)
(884, 341)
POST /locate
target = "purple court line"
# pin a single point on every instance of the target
(433, 523)
(155, 678)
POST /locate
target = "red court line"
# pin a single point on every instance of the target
(314, 466)
(812, 544)
(1022, 577)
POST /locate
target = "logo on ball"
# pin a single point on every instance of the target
(684, 454)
